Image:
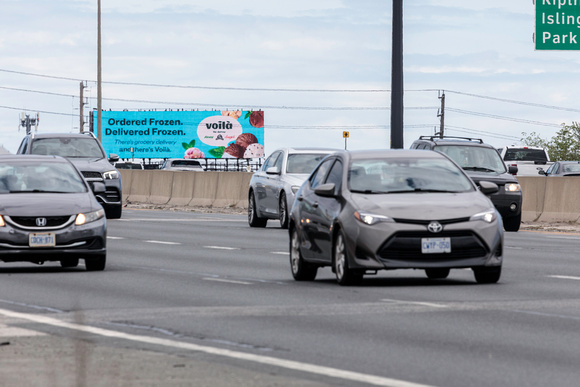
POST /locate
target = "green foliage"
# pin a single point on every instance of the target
(565, 145)
(186, 145)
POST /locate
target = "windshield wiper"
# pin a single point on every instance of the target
(482, 169)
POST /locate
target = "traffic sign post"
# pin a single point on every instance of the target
(557, 25)
(345, 135)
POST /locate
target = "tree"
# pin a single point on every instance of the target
(565, 145)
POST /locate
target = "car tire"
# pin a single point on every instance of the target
(344, 275)
(253, 219)
(283, 211)
(487, 275)
(437, 273)
(301, 270)
(114, 212)
(512, 223)
(97, 263)
(71, 262)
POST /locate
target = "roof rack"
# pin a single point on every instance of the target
(437, 137)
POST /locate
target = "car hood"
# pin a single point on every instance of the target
(92, 164)
(46, 204)
(423, 206)
(494, 177)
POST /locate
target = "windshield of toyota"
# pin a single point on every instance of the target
(303, 162)
(406, 175)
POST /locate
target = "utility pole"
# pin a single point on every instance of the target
(441, 114)
(82, 107)
(27, 122)
(99, 96)
(397, 77)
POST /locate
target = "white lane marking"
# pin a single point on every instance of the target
(113, 237)
(563, 237)
(227, 280)
(272, 361)
(415, 303)
(6, 331)
(164, 242)
(281, 252)
(565, 277)
(184, 220)
(222, 248)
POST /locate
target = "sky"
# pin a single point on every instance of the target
(317, 68)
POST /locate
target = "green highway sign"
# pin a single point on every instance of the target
(557, 25)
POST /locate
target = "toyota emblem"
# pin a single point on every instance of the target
(41, 222)
(435, 227)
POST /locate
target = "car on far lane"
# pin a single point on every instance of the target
(182, 165)
(128, 165)
(48, 212)
(562, 168)
(272, 188)
(364, 211)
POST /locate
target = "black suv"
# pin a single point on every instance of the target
(482, 162)
(85, 151)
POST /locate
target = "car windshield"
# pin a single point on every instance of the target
(303, 162)
(67, 147)
(474, 158)
(406, 175)
(27, 176)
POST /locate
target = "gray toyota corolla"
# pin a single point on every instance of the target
(48, 212)
(364, 211)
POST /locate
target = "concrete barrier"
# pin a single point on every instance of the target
(545, 199)
(182, 191)
(231, 191)
(560, 203)
(205, 188)
(140, 187)
(161, 187)
(533, 195)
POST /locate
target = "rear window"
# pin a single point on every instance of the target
(523, 154)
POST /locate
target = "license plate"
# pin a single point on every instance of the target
(435, 245)
(37, 239)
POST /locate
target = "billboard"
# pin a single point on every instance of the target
(182, 134)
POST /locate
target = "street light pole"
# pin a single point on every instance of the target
(397, 77)
(99, 91)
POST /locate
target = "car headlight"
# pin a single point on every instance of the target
(295, 188)
(487, 216)
(513, 187)
(371, 219)
(111, 175)
(2, 224)
(84, 218)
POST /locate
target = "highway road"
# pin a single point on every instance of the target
(204, 300)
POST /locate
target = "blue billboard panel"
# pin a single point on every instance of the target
(183, 134)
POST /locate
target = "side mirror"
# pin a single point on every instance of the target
(513, 169)
(98, 187)
(326, 190)
(273, 171)
(542, 172)
(113, 157)
(488, 188)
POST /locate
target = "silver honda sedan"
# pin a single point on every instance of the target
(272, 188)
(364, 211)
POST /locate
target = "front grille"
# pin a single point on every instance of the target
(407, 246)
(92, 175)
(426, 222)
(29, 222)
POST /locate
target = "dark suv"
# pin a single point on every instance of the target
(85, 151)
(482, 162)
